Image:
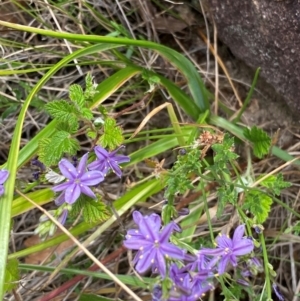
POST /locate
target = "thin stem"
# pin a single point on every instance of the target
(266, 266)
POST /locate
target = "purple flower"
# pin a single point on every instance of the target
(196, 290)
(157, 293)
(4, 174)
(78, 181)
(38, 163)
(277, 292)
(63, 216)
(199, 262)
(153, 246)
(106, 161)
(228, 249)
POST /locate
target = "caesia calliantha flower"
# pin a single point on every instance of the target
(108, 161)
(3, 177)
(78, 181)
(152, 243)
(228, 249)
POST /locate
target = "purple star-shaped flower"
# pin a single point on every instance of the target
(228, 249)
(79, 180)
(4, 174)
(153, 246)
(192, 291)
(108, 160)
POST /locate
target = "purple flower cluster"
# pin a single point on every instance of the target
(192, 275)
(152, 244)
(81, 176)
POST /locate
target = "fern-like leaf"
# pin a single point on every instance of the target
(275, 183)
(260, 139)
(259, 204)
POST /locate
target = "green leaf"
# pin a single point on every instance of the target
(86, 113)
(92, 134)
(260, 139)
(62, 110)
(224, 152)
(76, 95)
(112, 136)
(52, 149)
(68, 127)
(90, 89)
(11, 275)
(259, 204)
(226, 194)
(93, 211)
(275, 183)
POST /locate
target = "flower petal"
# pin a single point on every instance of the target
(60, 199)
(137, 216)
(148, 230)
(91, 178)
(223, 264)
(224, 242)
(101, 153)
(145, 260)
(72, 193)
(137, 243)
(101, 166)
(172, 251)
(63, 217)
(61, 187)
(81, 168)
(121, 159)
(160, 264)
(238, 233)
(87, 191)
(166, 232)
(4, 174)
(243, 247)
(212, 252)
(67, 169)
(115, 167)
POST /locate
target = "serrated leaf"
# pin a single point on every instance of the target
(86, 113)
(112, 136)
(70, 127)
(91, 134)
(76, 95)
(92, 210)
(275, 183)
(51, 150)
(62, 110)
(259, 204)
(260, 139)
(95, 211)
(11, 275)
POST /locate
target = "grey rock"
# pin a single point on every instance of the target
(266, 34)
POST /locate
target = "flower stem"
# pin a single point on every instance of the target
(266, 266)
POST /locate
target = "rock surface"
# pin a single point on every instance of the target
(266, 34)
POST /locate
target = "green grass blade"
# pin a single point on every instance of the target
(194, 81)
